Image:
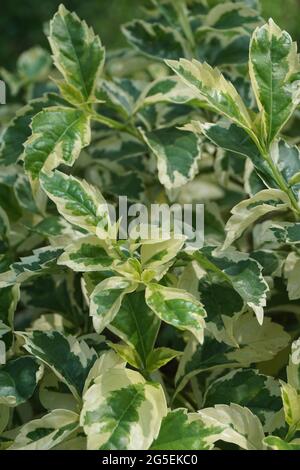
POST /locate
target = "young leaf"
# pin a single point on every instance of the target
(77, 54)
(77, 201)
(249, 211)
(87, 254)
(178, 308)
(291, 405)
(274, 67)
(160, 357)
(136, 324)
(106, 300)
(276, 443)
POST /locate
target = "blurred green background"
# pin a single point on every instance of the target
(21, 21)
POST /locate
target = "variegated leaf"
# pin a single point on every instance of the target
(177, 154)
(276, 443)
(18, 380)
(77, 54)
(241, 427)
(122, 411)
(274, 67)
(77, 201)
(178, 308)
(46, 432)
(241, 342)
(18, 130)
(9, 297)
(246, 387)
(249, 211)
(242, 272)
(181, 431)
(137, 325)
(211, 85)
(106, 300)
(87, 254)
(154, 39)
(58, 135)
(70, 359)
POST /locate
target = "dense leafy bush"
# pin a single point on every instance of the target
(111, 343)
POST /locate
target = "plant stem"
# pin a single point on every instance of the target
(113, 124)
(290, 434)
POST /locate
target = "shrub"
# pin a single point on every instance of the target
(108, 342)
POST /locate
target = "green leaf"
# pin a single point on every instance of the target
(106, 300)
(287, 233)
(77, 201)
(167, 90)
(122, 411)
(58, 135)
(293, 368)
(276, 443)
(177, 154)
(241, 342)
(18, 130)
(136, 324)
(46, 432)
(4, 417)
(52, 346)
(34, 65)
(246, 387)
(177, 307)
(77, 54)
(154, 39)
(287, 160)
(9, 297)
(4, 225)
(242, 272)
(160, 357)
(249, 211)
(42, 260)
(127, 353)
(211, 85)
(291, 405)
(18, 380)
(87, 254)
(23, 193)
(179, 431)
(234, 139)
(274, 67)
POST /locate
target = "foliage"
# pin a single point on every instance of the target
(112, 343)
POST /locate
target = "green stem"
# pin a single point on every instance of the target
(185, 23)
(282, 183)
(291, 432)
(113, 124)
